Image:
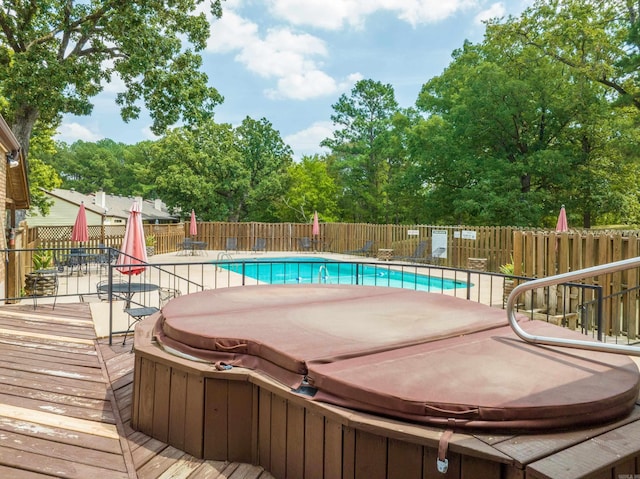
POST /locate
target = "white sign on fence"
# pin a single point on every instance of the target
(413, 232)
(466, 234)
(439, 243)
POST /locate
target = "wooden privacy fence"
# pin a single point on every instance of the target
(539, 254)
(494, 244)
(461, 242)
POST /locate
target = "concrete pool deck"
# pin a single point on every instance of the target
(201, 267)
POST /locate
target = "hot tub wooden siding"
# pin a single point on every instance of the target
(242, 416)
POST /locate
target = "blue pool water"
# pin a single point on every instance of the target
(319, 270)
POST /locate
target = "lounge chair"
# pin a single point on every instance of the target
(304, 244)
(326, 245)
(365, 250)
(435, 256)
(231, 245)
(417, 255)
(261, 245)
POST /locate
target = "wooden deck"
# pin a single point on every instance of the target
(65, 401)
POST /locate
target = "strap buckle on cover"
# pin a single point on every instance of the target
(442, 463)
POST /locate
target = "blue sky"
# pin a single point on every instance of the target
(290, 60)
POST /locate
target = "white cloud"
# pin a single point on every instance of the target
(496, 10)
(333, 15)
(283, 53)
(303, 86)
(416, 12)
(328, 15)
(307, 141)
(70, 132)
(231, 32)
(292, 59)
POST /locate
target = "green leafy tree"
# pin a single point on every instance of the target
(359, 148)
(405, 188)
(87, 167)
(503, 153)
(597, 39)
(225, 174)
(56, 55)
(42, 176)
(137, 177)
(265, 158)
(199, 168)
(310, 189)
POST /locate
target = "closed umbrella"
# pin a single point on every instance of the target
(133, 252)
(562, 225)
(316, 225)
(80, 231)
(193, 226)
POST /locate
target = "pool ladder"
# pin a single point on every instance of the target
(326, 278)
(223, 255)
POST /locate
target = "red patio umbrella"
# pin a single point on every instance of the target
(133, 252)
(193, 226)
(316, 225)
(562, 225)
(80, 231)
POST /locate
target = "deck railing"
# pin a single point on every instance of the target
(564, 303)
(581, 275)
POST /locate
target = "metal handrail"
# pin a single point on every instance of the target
(326, 274)
(564, 278)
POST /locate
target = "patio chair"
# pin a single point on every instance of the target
(167, 294)
(261, 245)
(74, 259)
(304, 244)
(365, 250)
(105, 256)
(326, 245)
(417, 255)
(139, 313)
(232, 244)
(101, 290)
(185, 246)
(435, 256)
(135, 315)
(60, 263)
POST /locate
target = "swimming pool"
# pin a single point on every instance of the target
(293, 270)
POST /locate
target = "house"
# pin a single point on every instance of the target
(14, 190)
(102, 209)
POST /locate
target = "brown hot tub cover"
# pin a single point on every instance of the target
(419, 356)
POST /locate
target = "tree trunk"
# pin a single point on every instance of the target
(25, 118)
(525, 183)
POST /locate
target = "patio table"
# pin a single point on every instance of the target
(127, 290)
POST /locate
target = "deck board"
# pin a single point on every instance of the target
(65, 405)
(65, 411)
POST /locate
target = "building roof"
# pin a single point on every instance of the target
(116, 206)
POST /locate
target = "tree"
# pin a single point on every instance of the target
(222, 173)
(504, 151)
(55, 55)
(87, 167)
(358, 148)
(42, 175)
(310, 189)
(597, 39)
(199, 168)
(265, 158)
